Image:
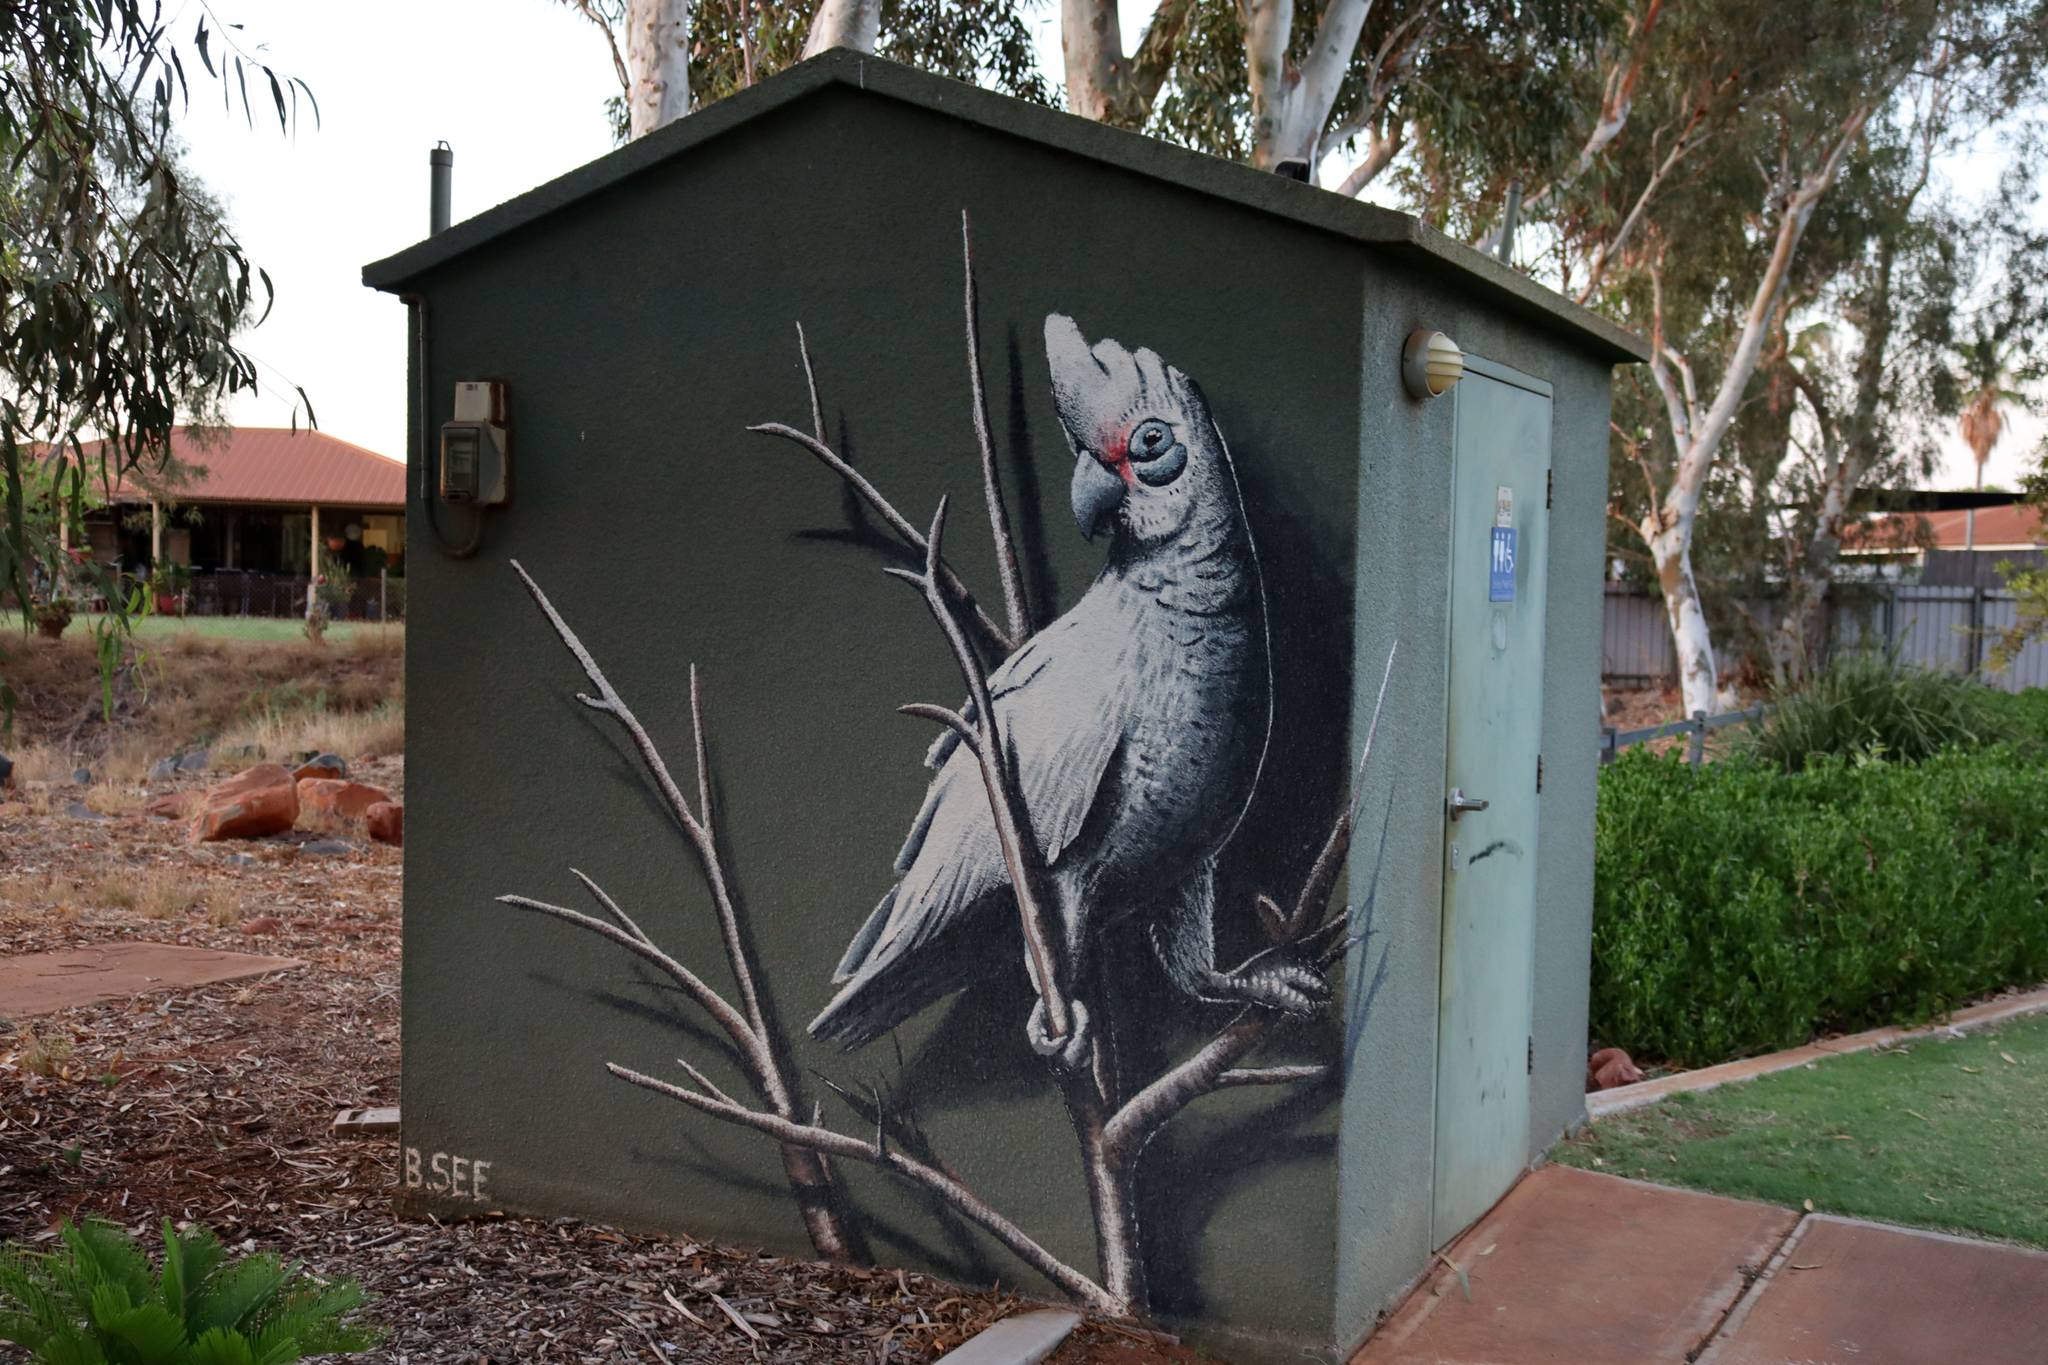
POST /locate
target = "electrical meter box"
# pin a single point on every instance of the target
(1019, 744)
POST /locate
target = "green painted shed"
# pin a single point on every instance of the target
(1287, 724)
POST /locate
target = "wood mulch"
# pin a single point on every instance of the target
(215, 1105)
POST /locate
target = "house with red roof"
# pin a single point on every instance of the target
(1951, 546)
(255, 503)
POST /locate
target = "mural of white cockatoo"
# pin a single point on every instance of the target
(1138, 724)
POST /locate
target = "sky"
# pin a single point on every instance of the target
(517, 89)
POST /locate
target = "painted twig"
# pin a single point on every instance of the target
(763, 1057)
(1079, 1057)
(1015, 604)
(930, 1175)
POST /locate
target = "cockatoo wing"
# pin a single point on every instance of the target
(950, 919)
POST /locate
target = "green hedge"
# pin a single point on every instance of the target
(1741, 908)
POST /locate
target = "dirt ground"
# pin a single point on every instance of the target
(215, 1104)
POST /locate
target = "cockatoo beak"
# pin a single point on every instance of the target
(1096, 493)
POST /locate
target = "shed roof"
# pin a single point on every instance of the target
(877, 78)
(276, 465)
(2015, 526)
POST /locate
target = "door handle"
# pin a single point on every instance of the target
(1460, 803)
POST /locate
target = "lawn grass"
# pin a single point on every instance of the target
(1949, 1134)
(234, 627)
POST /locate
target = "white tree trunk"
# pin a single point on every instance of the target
(1697, 434)
(1292, 105)
(844, 23)
(1698, 677)
(1102, 82)
(658, 63)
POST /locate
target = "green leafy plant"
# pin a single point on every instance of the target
(1740, 908)
(1872, 705)
(97, 1301)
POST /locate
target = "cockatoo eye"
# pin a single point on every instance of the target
(1156, 457)
(1150, 439)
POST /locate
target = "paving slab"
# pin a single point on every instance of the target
(1578, 1268)
(1024, 1339)
(40, 983)
(1847, 1292)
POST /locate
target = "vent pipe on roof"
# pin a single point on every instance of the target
(441, 170)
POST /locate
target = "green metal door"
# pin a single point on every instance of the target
(1499, 489)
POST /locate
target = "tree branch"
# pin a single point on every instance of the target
(731, 1020)
(941, 1183)
(1043, 942)
(1000, 641)
(768, 1068)
(1015, 605)
(1145, 1113)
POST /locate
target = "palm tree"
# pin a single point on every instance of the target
(1982, 420)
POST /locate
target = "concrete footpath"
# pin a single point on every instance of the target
(1579, 1268)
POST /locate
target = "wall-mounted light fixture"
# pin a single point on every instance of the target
(1431, 363)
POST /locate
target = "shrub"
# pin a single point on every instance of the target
(1874, 705)
(1739, 908)
(97, 1299)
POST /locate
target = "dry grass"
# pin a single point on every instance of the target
(43, 1054)
(354, 734)
(158, 893)
(189, 690)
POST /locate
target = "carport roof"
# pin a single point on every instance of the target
(1135, 153)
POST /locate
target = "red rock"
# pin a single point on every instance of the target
(249, 805)
(332, 798)
(170, 806)
(262, 924)
(387, 822)
(1609, 1067)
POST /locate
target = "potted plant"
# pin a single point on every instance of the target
(167, 585)
(52, 615)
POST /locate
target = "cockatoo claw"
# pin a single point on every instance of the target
(1068, 1053)
(1276, 982)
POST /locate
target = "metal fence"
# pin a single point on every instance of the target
(235, 592)
(1948, 628)
(1696, 730)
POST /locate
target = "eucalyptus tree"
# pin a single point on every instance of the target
(674, 56)
(1446, 94)
(1691, 228)
(122, 287)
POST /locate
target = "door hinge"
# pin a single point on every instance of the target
(1539, 774)
(1549, 487)
(1532, 1055)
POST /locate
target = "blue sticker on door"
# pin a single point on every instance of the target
(1500, 583)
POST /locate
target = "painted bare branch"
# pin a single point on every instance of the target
(1002, 642)
(764, 1059)
(1214, 1065)
(1043, 940)
(1015, 605)
(932, 1177)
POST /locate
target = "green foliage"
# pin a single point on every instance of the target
(1870, 706)
(734, 46)
(1942, 1133)
(97, 1301)
(1740, 908)
(121, 286)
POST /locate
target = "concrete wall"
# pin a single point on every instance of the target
(639, 335)
(1404, 520)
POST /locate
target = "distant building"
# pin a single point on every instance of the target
(1943, 549)
(259, 500)
(246, 515)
